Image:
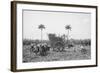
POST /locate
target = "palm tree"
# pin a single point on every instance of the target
(68, 27)
(41, 27)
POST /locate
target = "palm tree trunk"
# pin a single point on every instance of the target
(41, 36)
(68, 37)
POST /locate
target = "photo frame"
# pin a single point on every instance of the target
(46, 36)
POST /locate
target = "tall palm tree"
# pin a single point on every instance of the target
(41, 27)
(68, 27)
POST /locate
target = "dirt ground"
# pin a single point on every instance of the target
(73, 53)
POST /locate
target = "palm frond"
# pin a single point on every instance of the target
(68, 27)
(41, 26)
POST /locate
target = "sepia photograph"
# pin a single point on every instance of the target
(56, 35)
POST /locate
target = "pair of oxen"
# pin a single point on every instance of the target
(40, 49)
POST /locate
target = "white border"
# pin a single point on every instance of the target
(21, 65)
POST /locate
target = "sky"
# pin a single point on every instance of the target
(55, 22)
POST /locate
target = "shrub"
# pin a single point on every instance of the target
(83, 51)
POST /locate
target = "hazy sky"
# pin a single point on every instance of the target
(55, 22)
